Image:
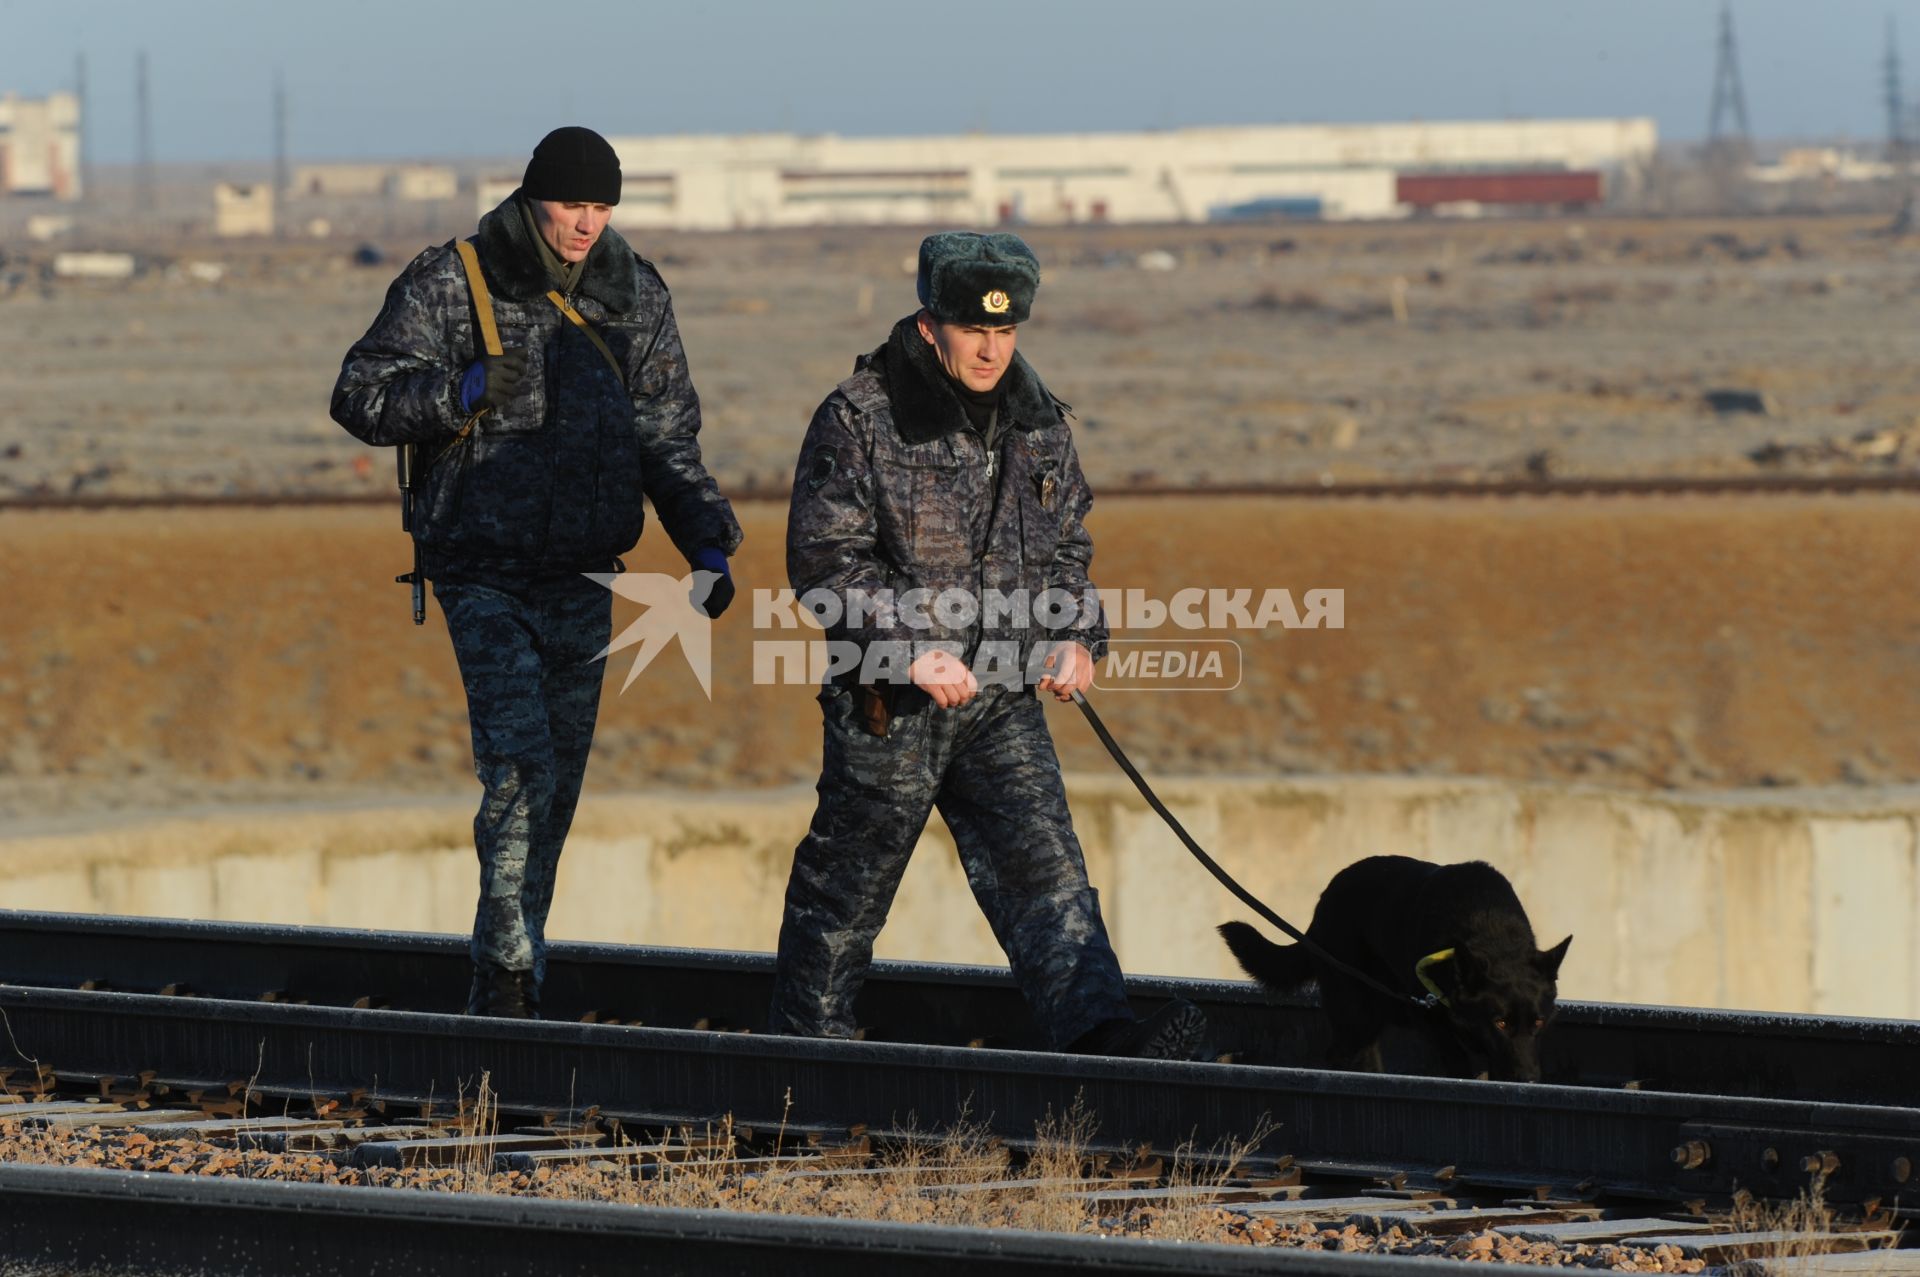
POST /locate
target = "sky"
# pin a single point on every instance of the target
(482, 78)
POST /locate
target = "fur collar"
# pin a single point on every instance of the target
(515, 271)
(923, 402)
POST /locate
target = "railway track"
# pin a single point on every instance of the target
(225, 1034)
(1623, 486)
(1780, 1057)
(53, 1215)
(233, 1003)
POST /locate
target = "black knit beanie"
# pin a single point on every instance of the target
(573, 165)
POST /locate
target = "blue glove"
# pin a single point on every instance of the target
(492, 381)
(473, 384)
(718, 594)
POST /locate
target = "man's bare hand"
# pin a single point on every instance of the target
(1070, 669)
(944, 677)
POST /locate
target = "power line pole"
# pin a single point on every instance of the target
(1895, 100)
(85, 174)
(143, 139)
(1729, 98)
(1728, 148)
(1897, 154)
(279, 136)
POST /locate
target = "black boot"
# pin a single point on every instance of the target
(1177, 1031)
(507, 994)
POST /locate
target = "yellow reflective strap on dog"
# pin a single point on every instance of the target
(580, 321)
(1420, 973)
(482, 300)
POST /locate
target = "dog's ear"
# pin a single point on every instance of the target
(1547, 961)
(1469, 968)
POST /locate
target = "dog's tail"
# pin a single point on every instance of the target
(1284, 968)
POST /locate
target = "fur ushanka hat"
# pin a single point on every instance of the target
(970, 278)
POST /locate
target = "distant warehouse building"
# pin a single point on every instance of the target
(342, 180)
(1182, 175)
(40, 146)
(362, 181)
(423, 182)
(242, 209)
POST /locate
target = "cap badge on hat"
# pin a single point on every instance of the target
(996, 303)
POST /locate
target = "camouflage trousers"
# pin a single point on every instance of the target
(527, 654)
(990, 769)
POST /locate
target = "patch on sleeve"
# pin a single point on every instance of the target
(1046, 482)
(825, 458)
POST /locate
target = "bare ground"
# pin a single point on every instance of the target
(157, 657)
(1267, 354)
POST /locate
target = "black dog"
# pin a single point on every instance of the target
(1457, 930)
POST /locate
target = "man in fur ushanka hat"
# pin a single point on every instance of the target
(942, 469)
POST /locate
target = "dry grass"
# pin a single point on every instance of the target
(477, 1118)
(1798, 1222)
(1802, 1228)
(961, 1176)
(920, 1176)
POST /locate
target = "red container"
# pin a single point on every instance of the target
(1558, 186)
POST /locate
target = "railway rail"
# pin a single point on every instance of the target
(1369, 489)
(61, 1221)
(1431, 1132)
(224, 1032)
(66, 1219)
(199, 1136)
(1781, 1057)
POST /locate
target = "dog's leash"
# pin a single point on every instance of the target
(1247, 897)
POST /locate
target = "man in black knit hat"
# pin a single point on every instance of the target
(943, 467)
(542, 405)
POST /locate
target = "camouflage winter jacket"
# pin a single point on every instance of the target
(893, 494)
(552, 482)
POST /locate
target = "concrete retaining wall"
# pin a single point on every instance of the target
(1800, 901)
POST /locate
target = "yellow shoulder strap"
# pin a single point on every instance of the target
(482, 299)
(490, 332)
(580, 321)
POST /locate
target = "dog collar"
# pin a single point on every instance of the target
(1420, 974)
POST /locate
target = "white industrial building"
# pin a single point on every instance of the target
(40, 146)
(757, 180)
(1824, 164)
(424, 182)
(242, 209)
(360, 181)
